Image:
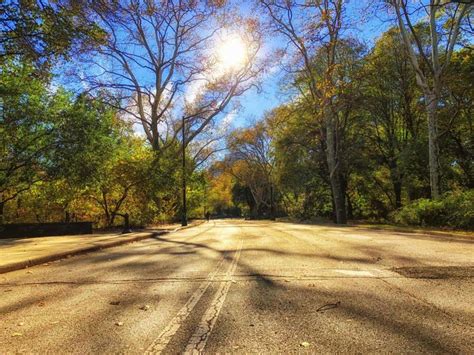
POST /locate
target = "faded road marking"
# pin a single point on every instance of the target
(198, 340)
(165, 336)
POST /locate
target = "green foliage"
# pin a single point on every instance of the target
(308, 206)
(86, 137)
(163, 186)
(119, 179)
(49, 136)
(197, 195)
(29, 114)
(457, 121)
(42, 31)
(455, 209)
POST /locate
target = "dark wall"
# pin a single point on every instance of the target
(28, 230)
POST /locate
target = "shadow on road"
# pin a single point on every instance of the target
(367, 312)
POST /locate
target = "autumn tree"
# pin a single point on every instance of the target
(219, 193)
(311, 28)
(252, 162)
(122, 176)
(160, 59)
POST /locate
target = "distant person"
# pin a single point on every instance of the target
(208, 216)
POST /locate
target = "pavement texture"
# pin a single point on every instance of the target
(20, 253)
(232, 286)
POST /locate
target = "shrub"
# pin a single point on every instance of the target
(455, 209)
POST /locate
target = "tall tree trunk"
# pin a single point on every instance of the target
(334, 175)
(433, 148)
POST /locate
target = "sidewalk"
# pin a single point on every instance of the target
(19, 253)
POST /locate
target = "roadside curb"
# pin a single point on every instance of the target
(84, 250)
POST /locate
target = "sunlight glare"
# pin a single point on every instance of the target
(231, 53)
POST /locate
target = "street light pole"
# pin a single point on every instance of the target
(184, 218)
(272, 203)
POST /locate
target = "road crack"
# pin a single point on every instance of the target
(198, 340)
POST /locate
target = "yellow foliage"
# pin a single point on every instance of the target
(220, 192)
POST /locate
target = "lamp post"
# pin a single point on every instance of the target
(272, 203)
(184, 218)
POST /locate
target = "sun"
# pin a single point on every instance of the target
(231, 53)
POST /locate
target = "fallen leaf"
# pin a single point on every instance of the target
(119, 324)
(20, 324)
(17, 335)
(305, 344)
(145, 307)
(29, 272)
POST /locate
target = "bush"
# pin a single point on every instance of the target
(455, 209)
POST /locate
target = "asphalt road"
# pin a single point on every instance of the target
(238, 286)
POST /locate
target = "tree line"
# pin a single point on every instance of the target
(98, 98)
(381, 132)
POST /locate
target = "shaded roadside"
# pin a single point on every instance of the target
(440, 232)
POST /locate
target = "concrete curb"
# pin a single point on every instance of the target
(88, 249)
